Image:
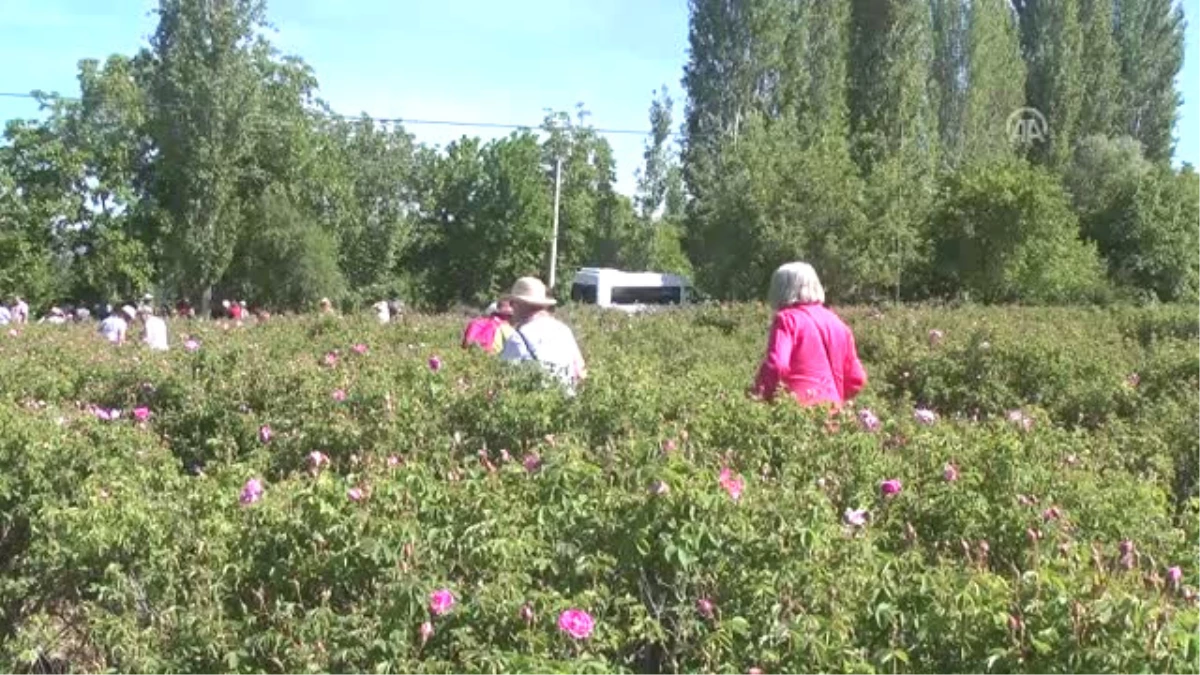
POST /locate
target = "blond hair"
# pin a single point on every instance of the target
(795, 283)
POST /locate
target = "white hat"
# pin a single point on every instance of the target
(491, 309)
(129, 311)
(531, 291)
(225, 304)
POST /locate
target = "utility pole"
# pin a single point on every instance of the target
(554, 239)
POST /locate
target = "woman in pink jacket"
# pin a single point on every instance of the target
(810, 350)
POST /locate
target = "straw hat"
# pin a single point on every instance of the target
(531, 291)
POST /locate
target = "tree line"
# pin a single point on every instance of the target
(870, 137)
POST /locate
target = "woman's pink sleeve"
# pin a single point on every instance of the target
(778, 361)
(855, 378)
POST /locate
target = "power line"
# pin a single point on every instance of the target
(401, 120)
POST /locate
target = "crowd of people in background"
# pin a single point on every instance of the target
(810, 350)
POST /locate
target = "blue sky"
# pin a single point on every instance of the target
(467, 60)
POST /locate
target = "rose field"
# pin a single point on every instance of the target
(1014, 491)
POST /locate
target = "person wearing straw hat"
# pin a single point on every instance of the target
(540, 337)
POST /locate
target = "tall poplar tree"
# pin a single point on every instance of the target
(995, 80)
(1149, 36)
(1053, 45)
(949, 26)
(1101, 70)
(203, 99)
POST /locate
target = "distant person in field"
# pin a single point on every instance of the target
(326, 306)
(115, 326)
(540, 337)
(491, 330)
(183, 309)
(55, 317)
(20, 310)
(5, 315)
(810, 350)
(383, 311)
(154, 329)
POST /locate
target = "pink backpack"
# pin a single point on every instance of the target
(482, 332)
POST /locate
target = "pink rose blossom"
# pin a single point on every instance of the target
(855, 517)
(1052, 513)
(532, 462)
(732, 483)
(393, 461)
(660, 488)
(331, 358)
(668, 446)
(426, 632)
(440, 602)
(192, 344)
(1019, 418)
(252, 491)
(339, 395)
(868, 420)
(925, 416)
(755, 671)
(705, 607)
(1174, 576)
(576, 623)
(935, 336)
(107, 414)
(360, 348)
(1128, 554)
(950, 473)
(316, 460)
(141, 414)
(891, 487)
(355, 494)
(435, 363)
(264, 433)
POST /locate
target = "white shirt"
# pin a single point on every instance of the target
(113, 328)
(20, 312)
(382, 311)
(5, 315)
(156, 333)
(553, 346)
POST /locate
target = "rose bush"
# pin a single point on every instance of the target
(448, 517)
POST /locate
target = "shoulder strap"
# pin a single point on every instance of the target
(528, 345)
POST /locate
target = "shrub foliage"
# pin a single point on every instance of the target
(1035, 530)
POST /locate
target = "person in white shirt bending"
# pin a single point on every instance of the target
(154, 329)
(540, 337)
(114, 326)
